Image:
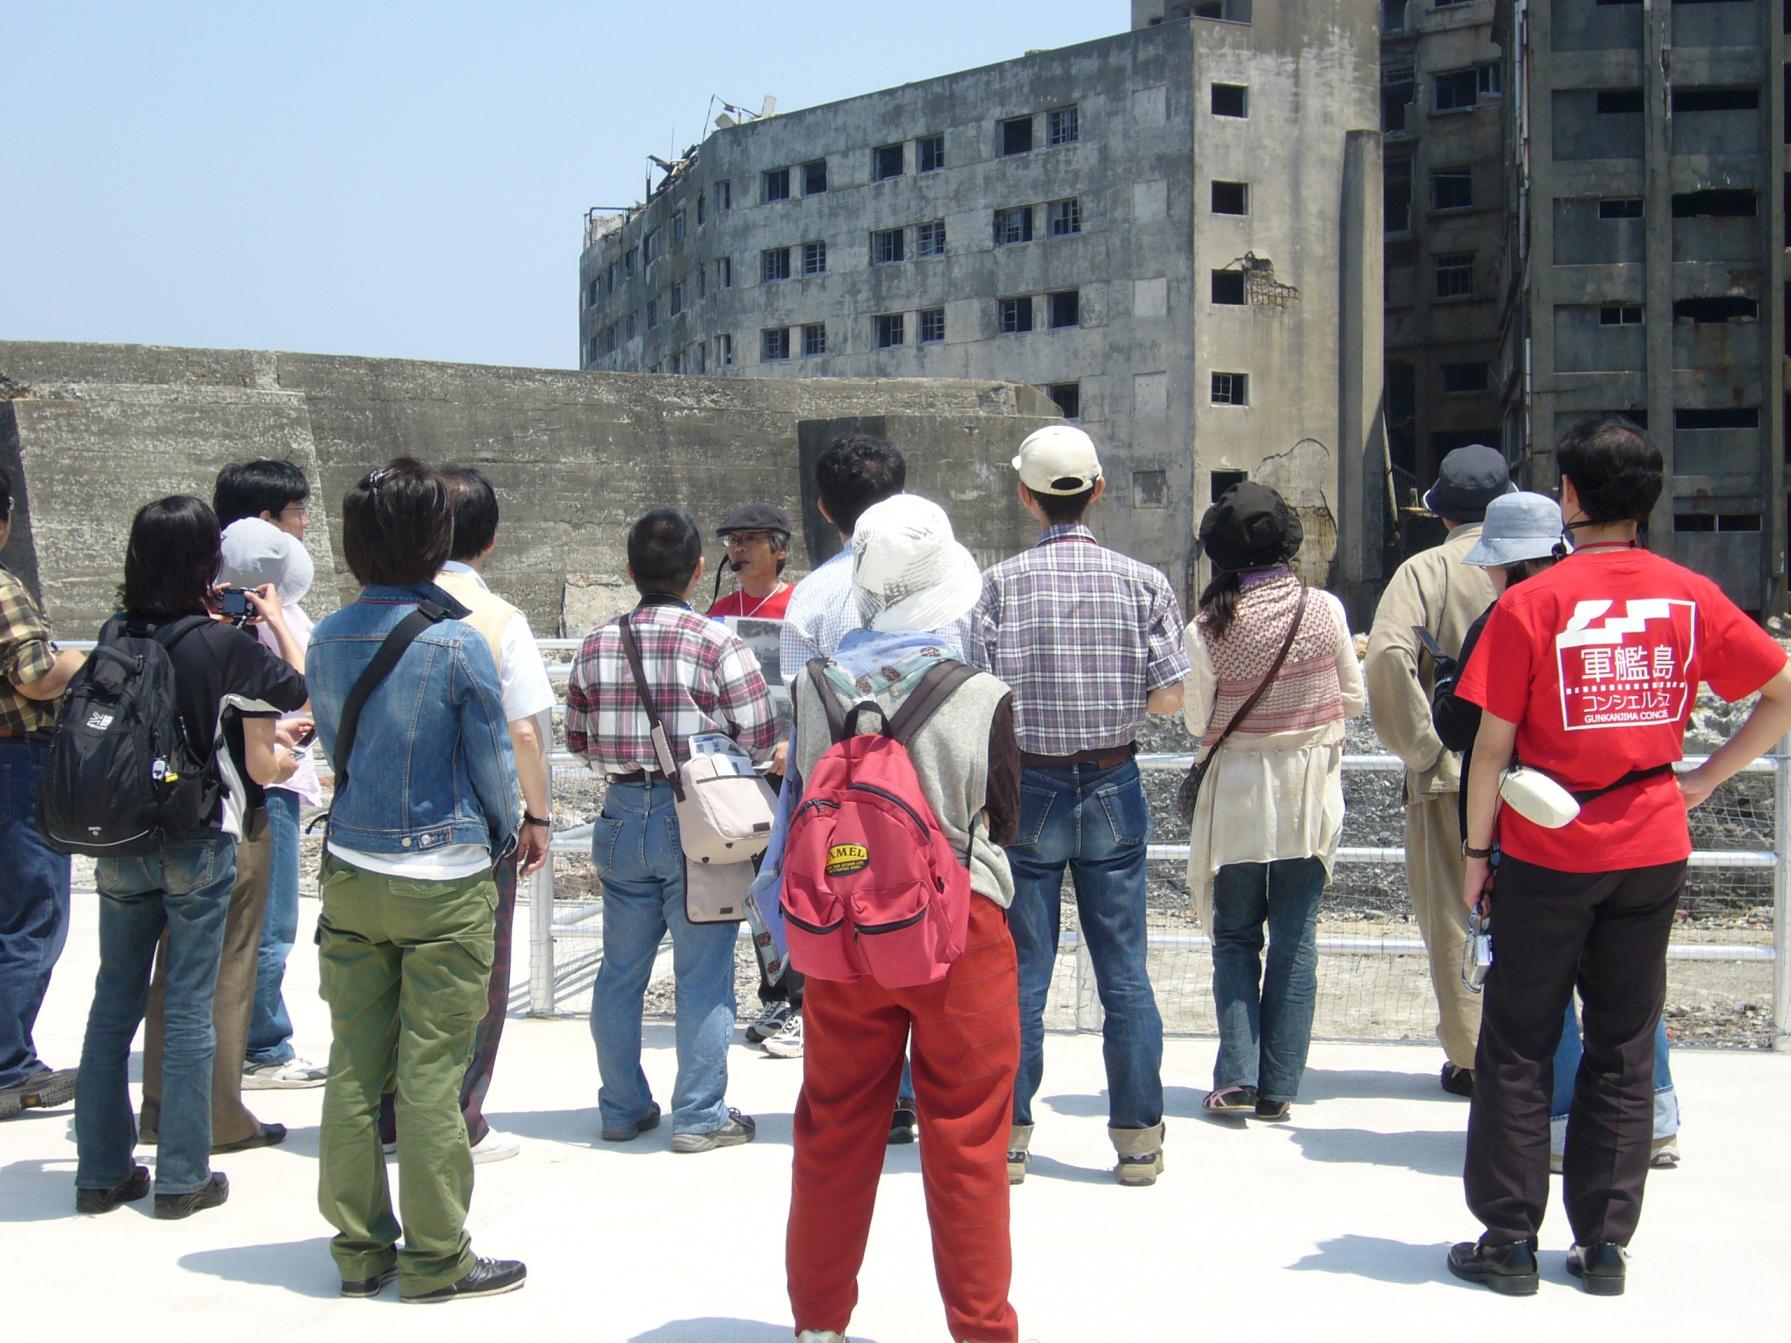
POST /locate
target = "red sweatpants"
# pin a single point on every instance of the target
(965, 1051)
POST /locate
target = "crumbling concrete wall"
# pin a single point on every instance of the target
(575, 456)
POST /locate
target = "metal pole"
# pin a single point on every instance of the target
(541, 976)
(1781, 900)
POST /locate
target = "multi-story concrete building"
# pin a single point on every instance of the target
(1175, 231)
(1441, 95)
(1645, 265)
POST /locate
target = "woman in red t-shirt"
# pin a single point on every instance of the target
(1588, 673)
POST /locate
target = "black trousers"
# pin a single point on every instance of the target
(1608, 931)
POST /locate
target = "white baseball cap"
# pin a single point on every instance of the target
(908, 570)
(1058, 459)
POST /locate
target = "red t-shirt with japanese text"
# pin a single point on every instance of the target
(1598, 662)
(772, 607)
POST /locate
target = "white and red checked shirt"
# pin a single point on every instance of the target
(702, 677)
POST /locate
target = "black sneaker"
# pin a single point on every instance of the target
(1509, 1270)
(129, 1190)
(172, 1207)
(1458, 1081)
(269, 1135)
(487, 1277)
(1600, 1268)
(41, 1091)
(904, 1124)
(365, 1287)
(1273, 1112)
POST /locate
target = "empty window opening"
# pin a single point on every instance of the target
(929, 153)
(650, 247)
(702, 218)
(1016, 136)
(774, 264)
(886, 162)
(931, 324)
(724, 272)
(724, 350)
(1715, 100)
(1068, 396)
(1231, 198)
(1013, 225)
(1620, 314)
(1724, 417)
(1619, 102)
(886, 247)
(1716, 522)
(777, 184)
(1455, 275)
(652, 313)
(1221, 482)
(1231, 389)
(1452, 188)
(591, 292)
(1724, 308)
(929, 238)
(1063, 125)
(814, 338)
(1228, 287)
(1066, 308)
(1396, 195)
(775, 343)
(814, 177)
(677, 361)
(677, 298)
(889, 328)
(1231, 100)
(1458, 90)
(724, 198)
(677, 226)
(1715, 204)
(814, 258)
(1466, 376)
(1015, 315)
(1065, 217)
(1620, 207)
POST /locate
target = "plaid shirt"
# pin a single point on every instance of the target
(1082, 634)
(26, 655)
(823, 610)
(703, 679)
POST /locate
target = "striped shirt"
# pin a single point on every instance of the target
(1083, 634)
(703, 679)
(26, 655)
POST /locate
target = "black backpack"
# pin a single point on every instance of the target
(121, 776)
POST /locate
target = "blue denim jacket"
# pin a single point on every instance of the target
(432, 761)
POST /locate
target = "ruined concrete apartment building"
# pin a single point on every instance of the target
(1175, 231)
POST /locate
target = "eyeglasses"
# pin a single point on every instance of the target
(747, 540)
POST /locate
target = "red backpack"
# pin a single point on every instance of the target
(871, 884)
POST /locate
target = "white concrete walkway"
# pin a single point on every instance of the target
(1332, 1226)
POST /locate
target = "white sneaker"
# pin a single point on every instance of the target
(495, 1146)
(771, 1020)
(288, 1076)
(820, 1336)
(787, 1043)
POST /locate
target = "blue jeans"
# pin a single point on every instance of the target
(1094, 821)
(270, 1028)
(634, 845)
(186, 889)
(1567, 1067)
(1265, 1017)
(33, 909)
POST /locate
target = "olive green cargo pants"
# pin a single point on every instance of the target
(405, 966)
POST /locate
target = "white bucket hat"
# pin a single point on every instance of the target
(908, 570)
(257, 552)
(1518, 526)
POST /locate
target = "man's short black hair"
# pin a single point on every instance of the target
(663, 550)
(475, 511)
(172, 559)
(1061, 508)
(1615, 469)
(856, 471)
(397, 524)
(5, 494)
(249, 489)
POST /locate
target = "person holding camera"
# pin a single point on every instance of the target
(1588, 673)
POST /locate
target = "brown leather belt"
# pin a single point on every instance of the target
(1104, 759)
(639, 776)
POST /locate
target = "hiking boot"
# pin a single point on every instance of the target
(1509, 1270)
(172, 1207)
(291, 1075)
(487, 1277)
(1458, 1081)
(128, 1190)
(645, 1124)
(904, 1124)
(1140, 1154)
(738, 1130)
(41, 1091)
(787, 1043)
(1019, 1139)
(770, 1021)
(1600, 1268)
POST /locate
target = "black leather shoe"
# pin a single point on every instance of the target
(172, 1207)
(271, 1135)
(487, 1277)
(1509, 1270)
(904, 1123)
(1600, 1268)
(104, 1200)
(363, 1287)
(1458, 1081)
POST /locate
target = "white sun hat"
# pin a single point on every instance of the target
(908, 570)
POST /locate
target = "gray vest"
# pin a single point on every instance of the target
(951, 756)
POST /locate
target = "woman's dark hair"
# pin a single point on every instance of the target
(1517, 572)
(172, 559)
(1615, 469)
(1219, 603)
(475, 511)
(663, 550)
(856, 471)
(5, 494)
(1060, 508)
(398, 524)
(249, 489)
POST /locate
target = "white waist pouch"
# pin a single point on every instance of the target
(1537, 798)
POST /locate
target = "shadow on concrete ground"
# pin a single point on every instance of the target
(719, 1330)
(1425, 1151)
(302, 1267)
(1378, 1258)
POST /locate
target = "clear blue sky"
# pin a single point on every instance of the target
(396, 179)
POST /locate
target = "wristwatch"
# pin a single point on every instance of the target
(536, 820)
(1469, 852)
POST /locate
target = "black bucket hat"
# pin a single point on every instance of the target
(1469, 479)
(1250, 527)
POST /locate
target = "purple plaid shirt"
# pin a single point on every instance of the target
(1082, 634)
(703, 678)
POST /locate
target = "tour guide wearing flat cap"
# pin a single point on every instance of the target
(1469, 479)
(756, 517)
(1058, 459)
